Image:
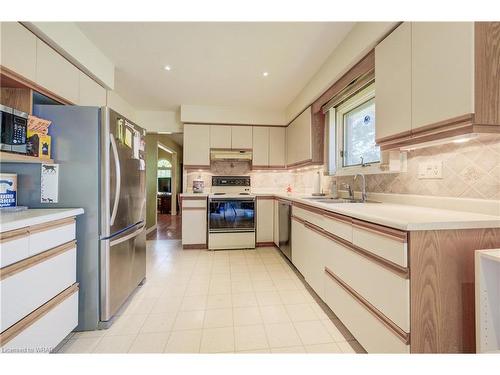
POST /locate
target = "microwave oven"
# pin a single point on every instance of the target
(14, 129)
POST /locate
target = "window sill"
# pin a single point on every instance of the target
(370, 169)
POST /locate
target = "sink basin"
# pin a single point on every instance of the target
(338, 200)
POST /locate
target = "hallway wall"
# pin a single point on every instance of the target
(152, 140)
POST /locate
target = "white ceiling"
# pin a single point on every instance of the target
(214, 63)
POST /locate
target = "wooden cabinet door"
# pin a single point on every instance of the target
(276, 226)
(260, 146)
(241, 137)
(220, 136)
(277, 149)
(393, 83)
(196, 145)
(55, 73)
(265, 220)
(442, 71)
(90, 92)
(18, 49)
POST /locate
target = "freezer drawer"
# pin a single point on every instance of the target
(123, 268)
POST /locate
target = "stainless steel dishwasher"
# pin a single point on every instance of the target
(285, 228)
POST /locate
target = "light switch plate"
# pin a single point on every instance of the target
(430, 170)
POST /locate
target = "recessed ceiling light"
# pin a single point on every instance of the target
(167, 67)
(265, 74)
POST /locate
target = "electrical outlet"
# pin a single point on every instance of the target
(430, 170)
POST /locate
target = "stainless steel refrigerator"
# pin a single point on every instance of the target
(102, 169)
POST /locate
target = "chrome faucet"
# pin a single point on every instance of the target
(349, 189)
(363, 186)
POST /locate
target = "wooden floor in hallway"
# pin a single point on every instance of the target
(169, 227)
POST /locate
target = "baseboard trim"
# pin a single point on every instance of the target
(265, 244)
(150, 229)
(195, 246)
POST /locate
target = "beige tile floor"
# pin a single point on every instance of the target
(194, 301)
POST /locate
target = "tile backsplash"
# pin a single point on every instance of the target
(470, 170)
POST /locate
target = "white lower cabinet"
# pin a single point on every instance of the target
(38, 289)
(194, 222)
(368, 293)
(308, 255)
(299, 243)
(384, 289)
(370, 332)
(25, 291)
(265, 220)
(47, 330)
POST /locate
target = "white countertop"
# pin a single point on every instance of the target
(404, 217)
(194, 194)
(15, 220)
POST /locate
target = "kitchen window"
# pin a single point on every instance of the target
(351, 138)
(164, 176)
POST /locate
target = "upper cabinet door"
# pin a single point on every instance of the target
(196, 145)
(18, 49)
(277, 149)
(55, 73)
(442, 71)
(220, 136)
(90, 92)
(393, 83)
(260, 146)
(241, 137)
(298, 139)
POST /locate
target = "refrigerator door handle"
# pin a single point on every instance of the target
(127, 237)
(118, 180)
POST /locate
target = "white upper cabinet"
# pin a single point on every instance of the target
(298, 139)
(393, 83)
(90, 92)
(18, 49)
(241, 137)
(277, 149)
(260, 146)
(196, 145)
(442, 71)
(220, 136)
(55, 73)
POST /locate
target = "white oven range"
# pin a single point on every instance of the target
(231, 213)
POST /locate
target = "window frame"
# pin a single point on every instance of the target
(336, 136)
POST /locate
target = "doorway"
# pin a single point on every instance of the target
(167, 208)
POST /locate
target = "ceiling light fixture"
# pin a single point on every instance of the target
(265, 74)
(167, 67)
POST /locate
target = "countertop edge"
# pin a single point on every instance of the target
(60, 213)
(424, 226)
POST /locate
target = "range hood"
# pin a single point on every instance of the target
(242, 155)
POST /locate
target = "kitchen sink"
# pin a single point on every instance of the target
(339, 200)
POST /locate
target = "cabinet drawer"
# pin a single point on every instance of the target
(14, 246)
(26, 285)
(387, 291)
(46, 327)
(387, 243)
(194, 203)
(374, 335)
(336, 224)
(52, 234)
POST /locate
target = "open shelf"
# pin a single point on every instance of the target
(8, 157)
